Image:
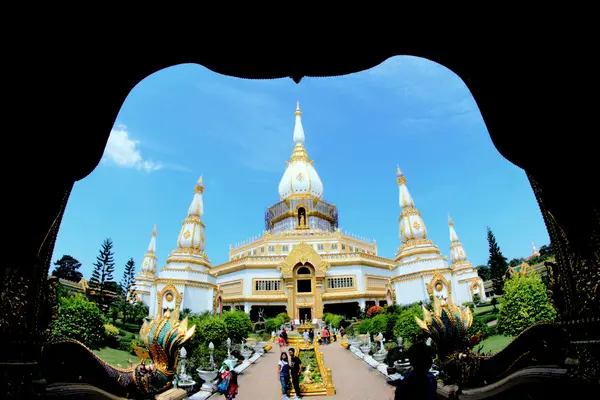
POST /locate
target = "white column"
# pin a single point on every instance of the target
(247, 307)
(362, 304)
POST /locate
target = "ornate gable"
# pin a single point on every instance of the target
(303, 254)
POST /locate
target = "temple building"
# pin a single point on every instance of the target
(303, 263)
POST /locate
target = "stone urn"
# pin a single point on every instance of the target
(379, 357)
(365, 348)
(246, 353)
(208, 377)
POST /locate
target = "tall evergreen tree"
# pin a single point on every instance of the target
(128, 282)
(484, 272)
(68, 268)
(497, 263)
(102, 276)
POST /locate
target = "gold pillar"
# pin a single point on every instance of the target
(291, 306)
(318, 299)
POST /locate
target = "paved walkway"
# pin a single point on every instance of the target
(353, 378)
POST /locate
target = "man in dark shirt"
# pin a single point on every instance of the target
(295, 371)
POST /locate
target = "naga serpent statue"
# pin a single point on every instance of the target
(449, 328)
(69, 361)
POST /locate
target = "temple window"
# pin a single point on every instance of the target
(267, 285)
(286, 247)
(340, 282)
(320, 247)
(303, 271)
(343, 247)
(271, 248)
(262, 249)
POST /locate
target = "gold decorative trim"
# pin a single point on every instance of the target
(237, 285)
(439, 278)
(188, 283)
(303, 254)
(255, 299)
(377, 294)
(169, 288)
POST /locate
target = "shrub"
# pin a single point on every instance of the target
(494, 302)
(336, 321)
(525, 302)
(488, 317)
(212, 329)
(81, 320)
(478, 326)
(365, 326)
(476, 300)
(283, 316)
(373, 311)
(125, 342)
(493, 330)
(238, 325)
(406, 327)
(350, 329)
(111, 334)
(200, 358)
(136, 342)
(468, 304)
(273, 324)
(379, 323)
(327, 317)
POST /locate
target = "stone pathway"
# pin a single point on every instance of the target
(353, 378)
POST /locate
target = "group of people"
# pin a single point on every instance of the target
(289, 369)
(420, 383)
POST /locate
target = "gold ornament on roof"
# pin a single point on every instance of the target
(300, 177)
(439, 286)
(416, 225)
(169, 296)
(187, 234)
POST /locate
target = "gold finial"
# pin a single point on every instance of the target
(298, 112)
(154, 230)
(450, 222)
(400, 178)
(200, 185)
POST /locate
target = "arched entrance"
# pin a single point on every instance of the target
(304, 288)
(303, 272)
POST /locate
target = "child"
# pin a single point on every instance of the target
(227, 383)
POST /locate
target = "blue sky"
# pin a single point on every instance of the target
(186, 121)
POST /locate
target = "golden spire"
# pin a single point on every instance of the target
(450, 222)
(200, 185)
(154, 231)
(298, 113)
(400, 178)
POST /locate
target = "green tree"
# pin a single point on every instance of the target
(496, 262)
(128, 281)
(81, 320)
(546, 252)
(212, 329)
(238, 325)
(484, 272)
(102, 276)
(67, 268)
(516, 261)
(406, 326)
(525, 302)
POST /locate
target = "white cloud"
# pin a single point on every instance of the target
(123, 151)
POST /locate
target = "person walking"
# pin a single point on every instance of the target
(311, 336)
(305, 336)
(295, 371)
(283, 373)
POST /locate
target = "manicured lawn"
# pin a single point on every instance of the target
(116, 357)
(494, 343)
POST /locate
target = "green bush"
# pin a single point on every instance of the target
(200, 358)
(476, 300)
(468, 304)
(478, 326)
(488, 317)
(283, 316)
(111, 335)
(406, 326)
(350, 329)
(238, 325)
(136, 342)
(493, 330)
(379, 324)
(327, 317)
(336, 321)
(273, 324)
(365, 326)
(525, 302)
(81, 320)
(125, 342)
(212, 329)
